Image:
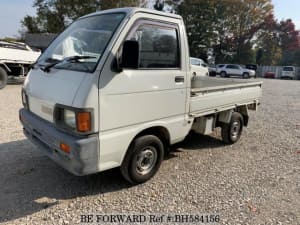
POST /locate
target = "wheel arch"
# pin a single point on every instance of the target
(243, 110)
(161, 132)
(5, 67)
(225, 116)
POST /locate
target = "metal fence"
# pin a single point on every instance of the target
(261, 70)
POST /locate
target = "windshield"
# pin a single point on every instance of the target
(87, 38)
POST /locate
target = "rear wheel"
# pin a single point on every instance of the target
(245, 75)
(232, 131)
(143, 159)
(3, 78)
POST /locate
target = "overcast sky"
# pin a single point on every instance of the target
(12, 12)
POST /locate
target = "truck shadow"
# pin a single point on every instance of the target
(30, 182)
(194, 141)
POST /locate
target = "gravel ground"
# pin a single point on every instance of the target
(255, 181)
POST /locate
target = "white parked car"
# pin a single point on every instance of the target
(198, 67)
(288, 72)
(228, 70)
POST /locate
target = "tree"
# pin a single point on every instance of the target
(243, 20)
(289, 42)
(31, 24)
(267, 43)
(159, 5)
(289, 37)
(229, 26)
(53, 16)
(278, 42)
(199, 21)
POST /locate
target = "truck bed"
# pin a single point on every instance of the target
(210, 95)
(10, 55)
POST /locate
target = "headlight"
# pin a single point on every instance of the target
(74, 119)
(70, 118)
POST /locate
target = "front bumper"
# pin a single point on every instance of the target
(83, 158)
(287, 76)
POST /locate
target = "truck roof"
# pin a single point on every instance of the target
(133, 10)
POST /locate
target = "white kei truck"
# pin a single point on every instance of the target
(15, 61)
(115, 90)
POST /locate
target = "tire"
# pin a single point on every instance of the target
(142, 159)
(3, 78)
(232, 132)
(245, 75)
(223, 74)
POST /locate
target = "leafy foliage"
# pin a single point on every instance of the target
(289, 37)
(53, 16)
(199, 19)
(278, 42)
(228, 26)
(239, 31)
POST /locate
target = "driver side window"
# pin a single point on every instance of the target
(159, 46)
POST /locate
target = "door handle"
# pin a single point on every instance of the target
(179, 79)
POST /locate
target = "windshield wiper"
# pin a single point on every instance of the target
(74, 58)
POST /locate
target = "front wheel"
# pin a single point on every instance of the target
(143, 159)
(3, 78)
(232, 131)
(223, 74)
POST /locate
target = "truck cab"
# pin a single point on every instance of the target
(15, 61)
(198, 67)
(114, 90)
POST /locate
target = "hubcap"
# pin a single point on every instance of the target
(146, 160)
(235, 129)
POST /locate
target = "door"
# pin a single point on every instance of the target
(156, 91)
(234, 70)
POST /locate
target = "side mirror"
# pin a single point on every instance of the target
(130, 55)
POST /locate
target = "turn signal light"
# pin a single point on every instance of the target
(64, 147)
(83, 121)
